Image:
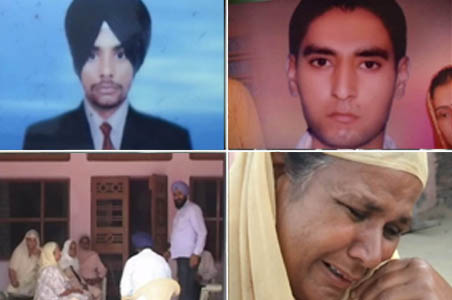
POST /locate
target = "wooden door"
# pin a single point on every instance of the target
(158, 186)
(110, 226)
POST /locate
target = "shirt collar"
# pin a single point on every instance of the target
(305, 142)
(117, 121)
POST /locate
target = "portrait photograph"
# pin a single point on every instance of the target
(154, 69)
(339, 74)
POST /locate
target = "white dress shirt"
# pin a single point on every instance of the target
(189, 232)
(117, 122)
(142, 268)
(305, 142)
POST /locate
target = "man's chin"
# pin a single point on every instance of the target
(342, 142)
(106, 103)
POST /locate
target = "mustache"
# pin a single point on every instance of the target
(106, 84)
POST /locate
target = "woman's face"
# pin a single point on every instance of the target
(442, 103)
(84, 243)
(73, 249)
(57, 254)
(31, 243)
(345, 222)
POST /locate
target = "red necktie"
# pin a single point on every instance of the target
(106, 129)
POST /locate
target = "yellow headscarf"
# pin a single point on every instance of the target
(47, 258)
(256, 266)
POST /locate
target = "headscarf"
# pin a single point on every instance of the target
(25, 266)
(256, 266)
(141, 240)
(67, 260)
(181, 187)
(82, 253)
(414, 162)
(441, 78)
(129, 20)
(244, 127)
(47, 258)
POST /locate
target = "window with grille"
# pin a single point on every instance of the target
(40, 204)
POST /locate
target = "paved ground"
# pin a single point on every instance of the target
(433, 244)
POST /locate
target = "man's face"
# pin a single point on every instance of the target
(346, 221)
(442, 103)
(107, 75)
(84, 243)
(179, 199)
(346, 77)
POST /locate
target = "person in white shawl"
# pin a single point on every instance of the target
(23, 267)
(70, 265)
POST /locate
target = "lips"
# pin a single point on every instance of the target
(344, 118)
(338, 276)
(106, 87)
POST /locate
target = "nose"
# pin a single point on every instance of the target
(106, 67)
(368, 248)
(344, 81)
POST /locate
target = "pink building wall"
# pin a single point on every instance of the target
(264, 27)
(79, 171)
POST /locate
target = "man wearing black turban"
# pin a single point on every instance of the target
(108, 42)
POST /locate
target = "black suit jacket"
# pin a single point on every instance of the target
(70, 131)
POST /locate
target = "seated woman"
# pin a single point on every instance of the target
(439, 105)
(23, 267)
(92, 269)
(328, 227)
(69, 264)
(52, 284)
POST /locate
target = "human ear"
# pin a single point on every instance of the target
(292, 75)
(402, 77)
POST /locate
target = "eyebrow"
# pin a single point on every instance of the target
(371, 52)
(116, 48)
(312, 49)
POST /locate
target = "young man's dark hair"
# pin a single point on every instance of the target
(388, 11)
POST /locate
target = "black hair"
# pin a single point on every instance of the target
(129, 20)
(442, 77)
(388, 11)
(301, 166)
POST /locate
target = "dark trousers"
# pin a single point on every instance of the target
(190, 287)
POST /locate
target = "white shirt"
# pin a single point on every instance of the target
(117, 121)
(142, 268)
(305, 142)
(189, 232)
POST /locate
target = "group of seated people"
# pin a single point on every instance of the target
(76, 272)
(48, 273)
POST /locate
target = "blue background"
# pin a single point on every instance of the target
(181, 80)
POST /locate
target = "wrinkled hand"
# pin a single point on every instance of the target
(405, 279)
(194, 260)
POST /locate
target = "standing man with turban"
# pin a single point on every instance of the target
(108, 42)
(188, 238)
(143, 267)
